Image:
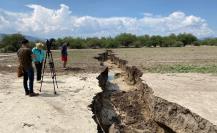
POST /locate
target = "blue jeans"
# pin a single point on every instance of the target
(28, 75)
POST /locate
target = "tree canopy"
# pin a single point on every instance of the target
(10, 43)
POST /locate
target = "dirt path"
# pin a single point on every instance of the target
(66, 112)
(198, 92)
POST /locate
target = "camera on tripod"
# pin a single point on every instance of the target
(49, 43)
(49, 57)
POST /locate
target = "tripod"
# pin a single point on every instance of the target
(52, 70)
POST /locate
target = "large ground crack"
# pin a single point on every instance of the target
(128, 105)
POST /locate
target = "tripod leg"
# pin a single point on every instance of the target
(52, 75)
(54, 72)
(49, 57)
(42, 76)
(54, 86)
(56, 80)
(55, 76)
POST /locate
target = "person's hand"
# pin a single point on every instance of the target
(33, 56)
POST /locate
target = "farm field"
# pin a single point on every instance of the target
(149, 60)
(172, 60)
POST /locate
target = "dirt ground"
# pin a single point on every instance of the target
(65, 112)
(194, 91)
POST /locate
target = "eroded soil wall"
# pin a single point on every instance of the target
(139, 110)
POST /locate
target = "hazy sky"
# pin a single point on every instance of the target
(57, 18)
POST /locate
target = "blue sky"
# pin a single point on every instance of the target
(109, 17)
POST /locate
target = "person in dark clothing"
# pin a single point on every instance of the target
(64, 54)
(25, 59)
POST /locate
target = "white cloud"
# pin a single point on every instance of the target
(44, 22)
(148, 14)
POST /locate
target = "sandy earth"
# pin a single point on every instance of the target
(66, 112)
(197, 92)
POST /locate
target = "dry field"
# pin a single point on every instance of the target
(78, 61)
(150, 60)
(172, 60)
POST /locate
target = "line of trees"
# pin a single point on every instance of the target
(130, 40)
(9, 43)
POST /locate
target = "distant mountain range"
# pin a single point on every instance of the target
(30, 38)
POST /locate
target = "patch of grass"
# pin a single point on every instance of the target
(180, 68)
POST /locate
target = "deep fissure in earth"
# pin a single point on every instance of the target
(126, 104)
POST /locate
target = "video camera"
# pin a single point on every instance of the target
(49, 43)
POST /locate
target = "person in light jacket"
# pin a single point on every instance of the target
(39, 54)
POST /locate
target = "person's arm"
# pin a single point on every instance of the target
(33, 55)
(43, 55)
(18, 52)
(62, 50)
(66, 52)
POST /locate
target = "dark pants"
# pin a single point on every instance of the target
(38, 67)
(28, 75)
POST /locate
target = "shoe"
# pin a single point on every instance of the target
(33, 94)
(26, 94)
